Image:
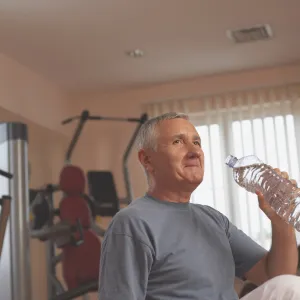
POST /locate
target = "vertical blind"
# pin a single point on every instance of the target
(263, 122)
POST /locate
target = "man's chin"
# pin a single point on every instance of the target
(191, 179)
(194, 182)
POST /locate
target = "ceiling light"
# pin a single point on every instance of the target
(136, 53)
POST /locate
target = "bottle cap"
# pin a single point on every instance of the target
(230, 161)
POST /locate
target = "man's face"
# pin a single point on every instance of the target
(178, 158)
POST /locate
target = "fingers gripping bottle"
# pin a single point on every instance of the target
(283, 196)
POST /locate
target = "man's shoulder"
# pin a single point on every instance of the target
(133, 210)
(130, 222)
(130, 218)
(212, 214)
(206, 209)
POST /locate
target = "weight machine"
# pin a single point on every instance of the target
(76, 230)
(108, 178)
(15, 279)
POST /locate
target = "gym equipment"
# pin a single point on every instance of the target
(74, 235)
(83, 118)
(103, 188)
(5, 211)
(75, 211)
(6, 174)
(15, 259)
(41, 203)
(42, 227)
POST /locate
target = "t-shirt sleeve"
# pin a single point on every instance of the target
(246, 252)
(124, 267)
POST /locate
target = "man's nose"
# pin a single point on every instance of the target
(193, 154)
(192, 147)
(193, 150)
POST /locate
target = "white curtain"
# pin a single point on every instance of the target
(262, 122)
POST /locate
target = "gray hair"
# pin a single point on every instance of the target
(146, 136)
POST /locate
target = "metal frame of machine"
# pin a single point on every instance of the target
(55, 288)
(15, 282)
(83, 118)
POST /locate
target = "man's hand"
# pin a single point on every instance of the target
(283, 255)
(265, 206)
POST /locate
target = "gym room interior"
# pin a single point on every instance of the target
(125, 58)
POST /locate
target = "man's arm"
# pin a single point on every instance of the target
(283, 256)
(124, 268)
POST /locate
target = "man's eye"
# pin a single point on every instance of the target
(197, 143)
(176, 142)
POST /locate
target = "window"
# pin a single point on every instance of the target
(211, 191)
(272, 139)
(264, 122)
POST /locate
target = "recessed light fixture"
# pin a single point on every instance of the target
(136, 53)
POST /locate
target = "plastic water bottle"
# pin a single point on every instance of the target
(283, 196)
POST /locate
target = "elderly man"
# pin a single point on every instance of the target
(162, 247)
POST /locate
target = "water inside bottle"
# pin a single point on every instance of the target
(282, 195)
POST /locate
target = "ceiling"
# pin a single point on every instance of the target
(81, 45)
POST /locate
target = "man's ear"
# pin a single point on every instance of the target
(145, 159)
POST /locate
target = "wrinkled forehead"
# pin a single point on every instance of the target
(167, 129)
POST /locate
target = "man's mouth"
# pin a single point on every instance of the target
(193, 164)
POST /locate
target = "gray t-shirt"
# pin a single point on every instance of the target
(158, 250)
